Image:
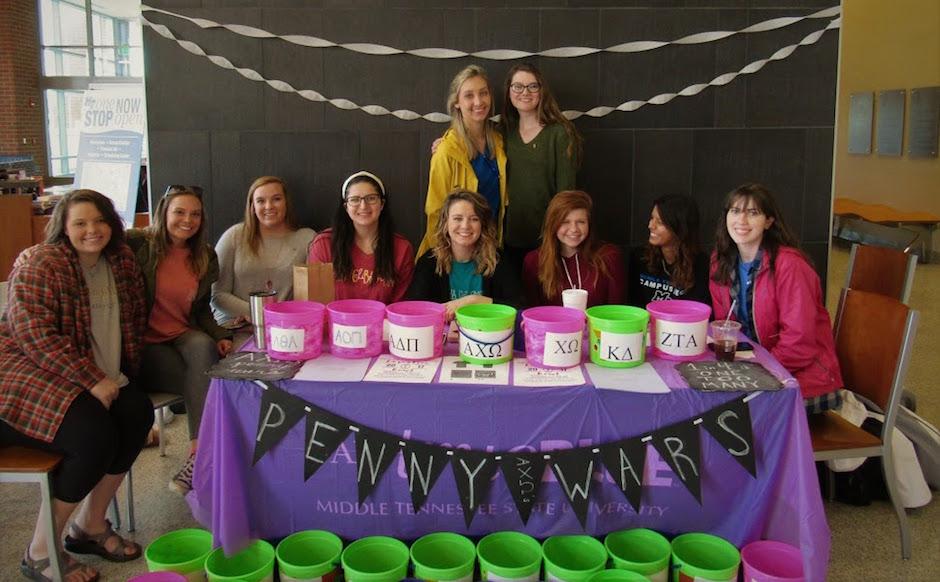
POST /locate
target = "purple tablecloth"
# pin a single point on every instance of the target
(270, 500)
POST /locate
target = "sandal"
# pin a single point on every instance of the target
(33, 569)
(81, 542)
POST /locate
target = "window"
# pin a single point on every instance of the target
(84, 42)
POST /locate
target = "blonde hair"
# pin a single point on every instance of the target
(251, 233)
(484, 252)
(456, 116)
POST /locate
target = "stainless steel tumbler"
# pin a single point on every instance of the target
(256, 302)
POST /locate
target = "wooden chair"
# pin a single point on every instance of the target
(25, 465)
(881, 270)
(873, 343)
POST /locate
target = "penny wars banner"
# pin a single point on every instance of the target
(678, 444)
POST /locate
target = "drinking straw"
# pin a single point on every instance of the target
(731, 310)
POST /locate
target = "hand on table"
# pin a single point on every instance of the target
(224, 346)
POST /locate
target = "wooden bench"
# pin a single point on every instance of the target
(845, 209)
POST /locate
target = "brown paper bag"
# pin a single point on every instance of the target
(314, 282)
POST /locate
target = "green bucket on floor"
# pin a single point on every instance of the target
(617, 576)
(640, 550)
(308, 555)
(573, 558)
(704, 557)
(509, 555)
(253, 564)
(375, 559)
(444, 557)
(183, 551)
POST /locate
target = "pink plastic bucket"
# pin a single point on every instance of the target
(356, 327)
(415, 330)
(294, 330)
(769, 561)
(679, 328)
(553, 336)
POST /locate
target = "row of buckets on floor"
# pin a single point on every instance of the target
(637, 555)
(553, 334)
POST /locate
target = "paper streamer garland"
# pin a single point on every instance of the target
(437, 117)
(678, 444)
(500, 54)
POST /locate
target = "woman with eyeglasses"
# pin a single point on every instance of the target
(182, 339)
(758, 267)
(571, 257)
(70, 343)
(470, 155)
(544, 150)
(258, 253)
(671, 265)
(464, 267)
(370, 260)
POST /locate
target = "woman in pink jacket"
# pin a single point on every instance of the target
(778, 298)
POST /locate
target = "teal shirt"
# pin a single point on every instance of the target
(464, 280)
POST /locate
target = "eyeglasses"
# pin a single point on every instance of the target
(751, 212)
(174, 188)
(518, 88)
(371, 200)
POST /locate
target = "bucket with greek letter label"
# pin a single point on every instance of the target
(294, 330)
(680, 328)
(356, 327)
(553, 336)
(416, 330)
(486, 333)
(617, 334)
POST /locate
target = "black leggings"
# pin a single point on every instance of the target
(94, 441)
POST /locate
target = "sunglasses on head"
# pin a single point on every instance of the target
(174, 188)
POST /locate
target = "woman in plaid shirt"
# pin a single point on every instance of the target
(70, 341)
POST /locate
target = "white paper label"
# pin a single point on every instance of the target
(482, 346)
(411, 343)
(286, 340)
(349, 336)
(621, 347)
(494, 578)
(681, 339)
(562, 350)
(661, 576)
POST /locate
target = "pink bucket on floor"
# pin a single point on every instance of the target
(769, 561)
(294, 329)
(415, 329)
(158, 577)
(553, 336)
(679, 328)
(356, 327)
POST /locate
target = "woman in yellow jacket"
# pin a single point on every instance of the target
(471, 155)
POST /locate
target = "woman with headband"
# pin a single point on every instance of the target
(370, 260)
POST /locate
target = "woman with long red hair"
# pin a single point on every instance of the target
(571, 257)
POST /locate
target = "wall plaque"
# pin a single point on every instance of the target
(924, 122)
(860, 112)
(890, 122)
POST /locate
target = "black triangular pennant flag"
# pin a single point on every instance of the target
(473, 471)
(280, 411)
(375, 451)
(625, 461)
(523, 474)
(730, 424)
(325, 432)
(423, 465)
(679, 446)
(574, 469)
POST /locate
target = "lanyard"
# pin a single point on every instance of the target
(577, 265)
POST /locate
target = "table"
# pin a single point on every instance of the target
(238, 501)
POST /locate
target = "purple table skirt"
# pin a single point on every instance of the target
(238, 502)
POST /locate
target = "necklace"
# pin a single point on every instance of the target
(577, 266)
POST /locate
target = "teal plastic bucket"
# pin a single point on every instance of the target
(486, 333)
(253, 564)
(444, 557)
(617, 576)
(573, 558)
(640, 550)
(375, 559)
(509, 555)
(183, 551)
(700, 556)
(617, 334)
(308, 555)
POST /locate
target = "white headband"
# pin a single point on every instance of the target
(360, 174)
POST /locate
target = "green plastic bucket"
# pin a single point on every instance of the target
(702, 556)
(617, 335)
(509, 555)
(375, 559)
(308, 555)
(183, 551)
(486, 333)
(617, 576)
(253, 564)
(444, 557)
(573, 558)
(640, 550)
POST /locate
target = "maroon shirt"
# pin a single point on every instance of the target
(604, 291)
(363, 270)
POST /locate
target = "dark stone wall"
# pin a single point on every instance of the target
(215, 128)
